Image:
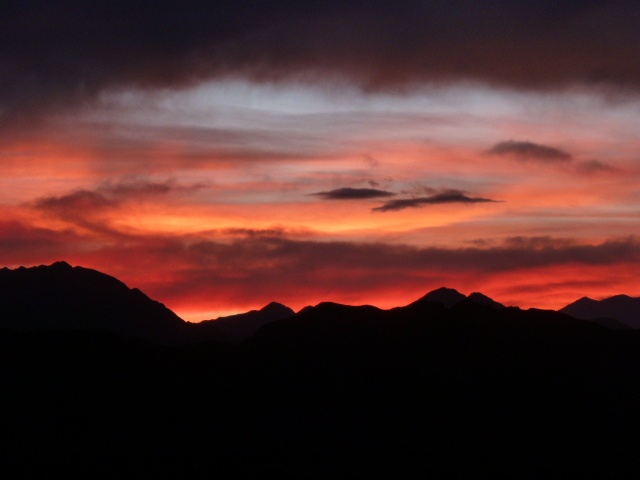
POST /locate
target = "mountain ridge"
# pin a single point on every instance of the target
(66, 297)
(618, 310)
(235, 328)
(334, 388)
(61, 296)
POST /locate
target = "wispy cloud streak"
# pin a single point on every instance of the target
(524, 150)
(448, 196)
(353, 194)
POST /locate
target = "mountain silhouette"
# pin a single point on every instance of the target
(60, 296)
(449, 297)
(444, 386)
(619, 311)
(482, 299)
(235, 328)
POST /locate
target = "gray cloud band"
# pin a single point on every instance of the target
(54, 55)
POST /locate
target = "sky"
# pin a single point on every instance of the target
(222, 155)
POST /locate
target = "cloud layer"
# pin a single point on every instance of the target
(227, 269)
(260, 111)
(55, 55)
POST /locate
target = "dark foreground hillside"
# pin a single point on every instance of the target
(62, 297)
(334, 392)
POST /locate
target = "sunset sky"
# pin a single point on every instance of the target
(222, 155)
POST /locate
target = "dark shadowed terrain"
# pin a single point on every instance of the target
(448, 385)
(619, 311)
(62, 297)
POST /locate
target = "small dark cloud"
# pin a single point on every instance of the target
(538, 243)
(419, 190)
(545, 154)
(594, 166)
(79, 201)
(273, 232)
(524, 150)
(134, 189)
(353, 194)
(448, 196)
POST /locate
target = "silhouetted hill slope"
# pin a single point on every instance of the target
(482, 299)
(455, 385)
(60, 296)
(620, 308)
(449, 297)
(238, 327)
(334, 391)
(333, 318)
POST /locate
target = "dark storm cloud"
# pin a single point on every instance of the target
(277, 266)
(448, 196)
(275, 255)
(270, 264)
(522, 150)
(55, 55)
(353, 194)
(512, 254)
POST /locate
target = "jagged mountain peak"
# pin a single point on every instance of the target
(482, 299)
(583, 300)
(276, 308)
(61, 264)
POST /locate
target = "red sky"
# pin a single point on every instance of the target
(218, 192)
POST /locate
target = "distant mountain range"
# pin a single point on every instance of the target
(619, 311)
(235, 328)
(444, 386)
(63, 297)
